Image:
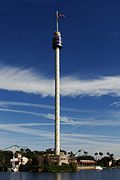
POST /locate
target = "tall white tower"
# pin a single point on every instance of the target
(57, 46)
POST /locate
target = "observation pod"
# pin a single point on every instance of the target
(57, 40)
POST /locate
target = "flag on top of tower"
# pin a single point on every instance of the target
(61, 15)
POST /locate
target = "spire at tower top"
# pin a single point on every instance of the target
(57, 19)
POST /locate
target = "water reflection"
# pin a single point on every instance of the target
(61, 176)
(107, 174)
(58, 176)
(16, 175)
(36, 176)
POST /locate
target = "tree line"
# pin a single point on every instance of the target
(36, 161)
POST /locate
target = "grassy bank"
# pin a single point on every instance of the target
(62, 168)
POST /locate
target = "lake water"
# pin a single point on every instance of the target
(106, 174)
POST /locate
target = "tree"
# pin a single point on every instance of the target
(85, 153)
(71, 153)
(108, 153)
(63, 151)
(5, 157)
(89, 157)
(101, 154)
(96, 154)
(111, 156)
(104, 162)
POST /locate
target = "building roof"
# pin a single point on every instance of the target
(87, 161)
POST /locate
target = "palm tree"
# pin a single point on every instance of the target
(111, 156)
(78, 152)
(101, 154)
(108, 153)
(71, 153)
(96, 154)
(85, 153)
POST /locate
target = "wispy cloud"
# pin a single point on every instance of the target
(91, 143)
(73, 121)
(70, 141)
(7, 104)
(26, 80)
(23, 129)
(18, 79)
(115, 104)
(108, 85)
(46, 116)
(11, 103)
(90, 121)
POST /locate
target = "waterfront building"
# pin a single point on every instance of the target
(86, 164)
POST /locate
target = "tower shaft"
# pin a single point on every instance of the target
(57, 45)
(57, 101)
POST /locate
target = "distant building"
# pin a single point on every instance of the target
(110, 163)
(86, 164)
(17, 161)
(57, 159)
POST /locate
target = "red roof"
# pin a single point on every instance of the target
(87, 162)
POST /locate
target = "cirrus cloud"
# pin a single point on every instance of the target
(28, 81)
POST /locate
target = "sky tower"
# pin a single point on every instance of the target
(57, 46)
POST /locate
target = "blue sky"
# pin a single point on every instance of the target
(90, 74)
